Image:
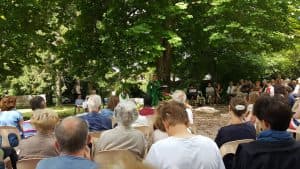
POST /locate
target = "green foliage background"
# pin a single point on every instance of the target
(42, 42)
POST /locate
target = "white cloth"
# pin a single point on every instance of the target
(197, 152)
(190, 115)
(272, 91)
(141, 121)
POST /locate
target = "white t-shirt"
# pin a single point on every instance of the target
(197, 152)
(190, 115)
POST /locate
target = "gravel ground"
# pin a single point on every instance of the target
(208, 124)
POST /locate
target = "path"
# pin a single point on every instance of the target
(208, 124)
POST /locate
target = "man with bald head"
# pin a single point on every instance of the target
(71, 141)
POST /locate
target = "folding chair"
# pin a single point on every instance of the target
(231, 147)
(28, 163)
(116, 159)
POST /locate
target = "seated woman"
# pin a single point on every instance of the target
(112, 103)
(237, 128)
(147, 110)
(123, 136)
(11, 117)
(274, 148)
(42, 144)
(159, 131)
(182, 150)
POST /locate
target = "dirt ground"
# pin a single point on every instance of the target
(208, 124)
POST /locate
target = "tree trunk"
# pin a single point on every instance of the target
(164, 63)
(58, 86)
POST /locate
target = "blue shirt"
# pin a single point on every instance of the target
(10, 118)
(97, 122)
(107, 113)
(66, 162)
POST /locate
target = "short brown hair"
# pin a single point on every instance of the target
(238, 105)
(158, 124)
(174, 113)
(112, 102)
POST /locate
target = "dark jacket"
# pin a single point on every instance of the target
(268, 155)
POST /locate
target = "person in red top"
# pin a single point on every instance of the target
(147, 109)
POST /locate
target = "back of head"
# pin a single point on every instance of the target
(126, 113)
(179, 96)
(5, 103)
(112, 102)
(280, 90)
(71, 134)
(44, 120)
(158, 124)
(94, 103)
(253, 96)
(174, 113)
(37, 102)
(148, 100)
(238, 106)
(274, 110)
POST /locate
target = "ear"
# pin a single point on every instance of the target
(166, 125)
(57, 147)
(264, 125)
(89, 139)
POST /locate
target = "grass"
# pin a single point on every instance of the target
(63, 111)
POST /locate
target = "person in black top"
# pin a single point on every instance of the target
(237, 128)
(274, 148)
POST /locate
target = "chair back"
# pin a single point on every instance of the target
(231, 147)
(95, 134)
(28, 163)
(116, 159)
(5, 131)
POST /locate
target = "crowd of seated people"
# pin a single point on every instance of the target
(66, 144)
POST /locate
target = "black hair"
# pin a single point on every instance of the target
(37, 103)
(147, 100)
(274, 110)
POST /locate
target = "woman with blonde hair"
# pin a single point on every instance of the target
(42, 144)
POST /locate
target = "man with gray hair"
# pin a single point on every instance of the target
(96, 121)
(179, 96)
(71, 141)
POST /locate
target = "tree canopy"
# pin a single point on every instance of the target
(44, 41)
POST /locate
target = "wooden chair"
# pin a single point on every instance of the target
(116, 159)
(95, 134)
(5, 131)
(231, 147)
(28, 163)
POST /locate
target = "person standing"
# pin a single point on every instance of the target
(231, 90)
(153, 90)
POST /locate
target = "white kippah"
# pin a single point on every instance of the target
(240, 107)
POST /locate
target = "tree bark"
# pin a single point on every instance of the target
(164, 63)
(58, 86)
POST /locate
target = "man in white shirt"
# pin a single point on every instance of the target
(270, 89)
(182, 150)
